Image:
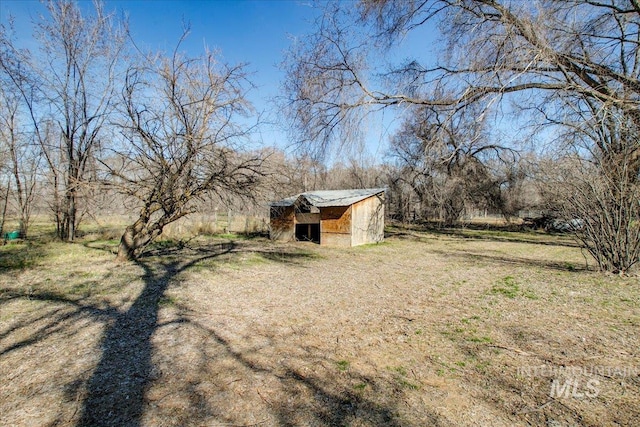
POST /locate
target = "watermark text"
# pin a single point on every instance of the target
(577, 382)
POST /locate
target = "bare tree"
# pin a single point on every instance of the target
(23, 158)
(5, 188)
(69, 86)
(573, 64)
(517, 192)
(184, 138)
(603, 209)
(599, 204)
(446, 159)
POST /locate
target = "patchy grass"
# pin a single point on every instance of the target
(360, 386)
(507, 287)
(233, 236)
(167, 301)
(342, 365)
(441, 327)
(20, 255)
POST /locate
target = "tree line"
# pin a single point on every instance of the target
(568, 68)
(90, 115)
(88, 112)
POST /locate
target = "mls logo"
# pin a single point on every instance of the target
(571, 388)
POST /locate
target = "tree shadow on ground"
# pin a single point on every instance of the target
(295, 396)
(17, 256)
(117, 391)
(470, 257)
(56, 320)
(491, 233)
(518, 379)
(289, 257)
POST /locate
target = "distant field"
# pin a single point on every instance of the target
(112, 226)
(446, 328)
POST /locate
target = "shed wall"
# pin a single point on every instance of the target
(357, 224)
(307, 218)
(335, 226)
(367, 225)
(282, 223)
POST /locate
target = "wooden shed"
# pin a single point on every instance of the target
(330, 217)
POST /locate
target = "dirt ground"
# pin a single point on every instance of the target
(473, 328)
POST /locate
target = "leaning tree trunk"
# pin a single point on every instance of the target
(145, 230)
(136, 237)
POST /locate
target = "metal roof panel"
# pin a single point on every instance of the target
(326, 198)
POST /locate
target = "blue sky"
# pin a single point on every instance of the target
(255, 32)
(252, 32)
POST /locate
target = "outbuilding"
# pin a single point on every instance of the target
(330, 217)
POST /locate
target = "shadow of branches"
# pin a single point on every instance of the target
(514, 234)
(160, 362)
(470, 257)
(17, 256)
(116, 390)
(275, 387)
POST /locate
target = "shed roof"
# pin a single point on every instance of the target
(326, 198)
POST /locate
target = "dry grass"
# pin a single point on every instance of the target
(424, 329)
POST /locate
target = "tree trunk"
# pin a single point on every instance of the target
(71, 216)
(19, 190)
(453, 208)
(4, 210)
(136, 237)
(127, 247)
(71, 197)
(57, 208)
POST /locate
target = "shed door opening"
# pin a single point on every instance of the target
(308, 233)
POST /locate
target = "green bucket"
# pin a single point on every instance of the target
(13, 235)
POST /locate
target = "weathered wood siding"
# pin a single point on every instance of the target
(335, 226)
(307, 218)
(282, 223)
(358, 224)
(367, 224)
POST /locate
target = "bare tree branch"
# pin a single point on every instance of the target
(182, 122)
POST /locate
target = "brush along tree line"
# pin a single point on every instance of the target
(163, 129)
(568, 67)
(167, 129)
